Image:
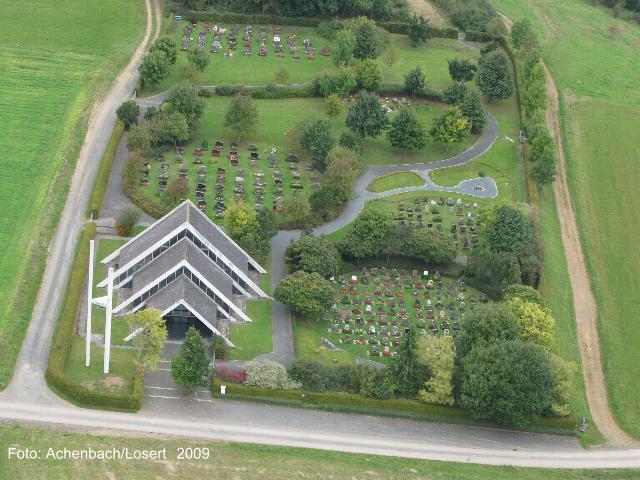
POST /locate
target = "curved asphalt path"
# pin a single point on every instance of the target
(29, 399)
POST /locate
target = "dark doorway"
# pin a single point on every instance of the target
(178, 322)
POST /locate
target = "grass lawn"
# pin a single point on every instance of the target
(256, 337)
(122, 368)
(247, 461)
(54, 66)
(256, 70)
(601, 107)
(502, 162)
(379, 306)
(395, 180)
(276, 117)
(390, 205)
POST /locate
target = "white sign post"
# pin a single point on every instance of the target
(89, 305)
(107, 325)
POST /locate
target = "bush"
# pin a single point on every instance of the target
(56, 376)
(313, 254)
(126, 221)
(341, 83)
(348, 139)
(231, 375)
(269, 375)
(128, 113)
(226, 90)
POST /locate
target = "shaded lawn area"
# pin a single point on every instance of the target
(275, 118)
(254, 338)
(122, 368)
(256, 462)
(255, 70)
(502, 162)
(395, 180)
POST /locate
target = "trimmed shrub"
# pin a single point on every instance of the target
(269, 375)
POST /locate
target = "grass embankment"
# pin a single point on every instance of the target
(247, 461)
(601, 107)
(395, 180)
(256, 70)
(54, 66)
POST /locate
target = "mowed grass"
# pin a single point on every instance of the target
(596, 72)
(254, 338)
(396, 180)
(255, 70)
(53, 67)
(246, 461)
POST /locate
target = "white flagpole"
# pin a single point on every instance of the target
(107, 325)
(89, 305)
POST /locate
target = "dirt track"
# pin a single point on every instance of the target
(584, 303)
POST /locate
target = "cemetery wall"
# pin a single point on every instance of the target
(58, 380)
(398, 407)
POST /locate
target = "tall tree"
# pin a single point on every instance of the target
(128, 113)
(487, 325)
(333, 105)
(430, 246)
(366, 36)
(535, 94)
(198, 58)
(494, 76)
(190, 367)
(461, 70)
(154, 67)
(343, 169)
(471, 107)
(152, 336)
(168, 47)
(306, 293)
(510, 382)
(415, 81)
(313, 254)
(406, 131)
(454, 93)
(408, 374)
(241, 115)
(419, 31)
(367, 116)
(345, 43)
(519, 31)
(438, 354)
(184, 97)
(368, 235)
(317, 140)
(241, 223)
(537, 325)
(368, 75)
(450, 127)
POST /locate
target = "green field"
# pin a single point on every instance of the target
(601, 106)
(276, 117)
(255, 70)
(231, 461)
(54, 66)
(396, 180)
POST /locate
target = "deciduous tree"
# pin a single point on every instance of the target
(406, 131)
(487, 325)
(317, 140)
(313, 254)
(450, 127)
(509, 381)
(368, 75)
(367, 117)
(419, 31)
(198, 59)
(415, 81)
(154, 67)
(306, 293)
(241, 115)
(494, 76)
(461, 70)
(152, 336)
(345, 44)
(368, 235)
(128, 113)
(438, 354)
(471, 107)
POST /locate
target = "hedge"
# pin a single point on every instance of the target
(262, 19)
(62, 383)
(130, 178)
(106, 164)
(398, 407)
